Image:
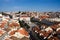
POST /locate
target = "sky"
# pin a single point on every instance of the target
(30, 5)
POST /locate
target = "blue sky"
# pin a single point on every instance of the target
(30, 5)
